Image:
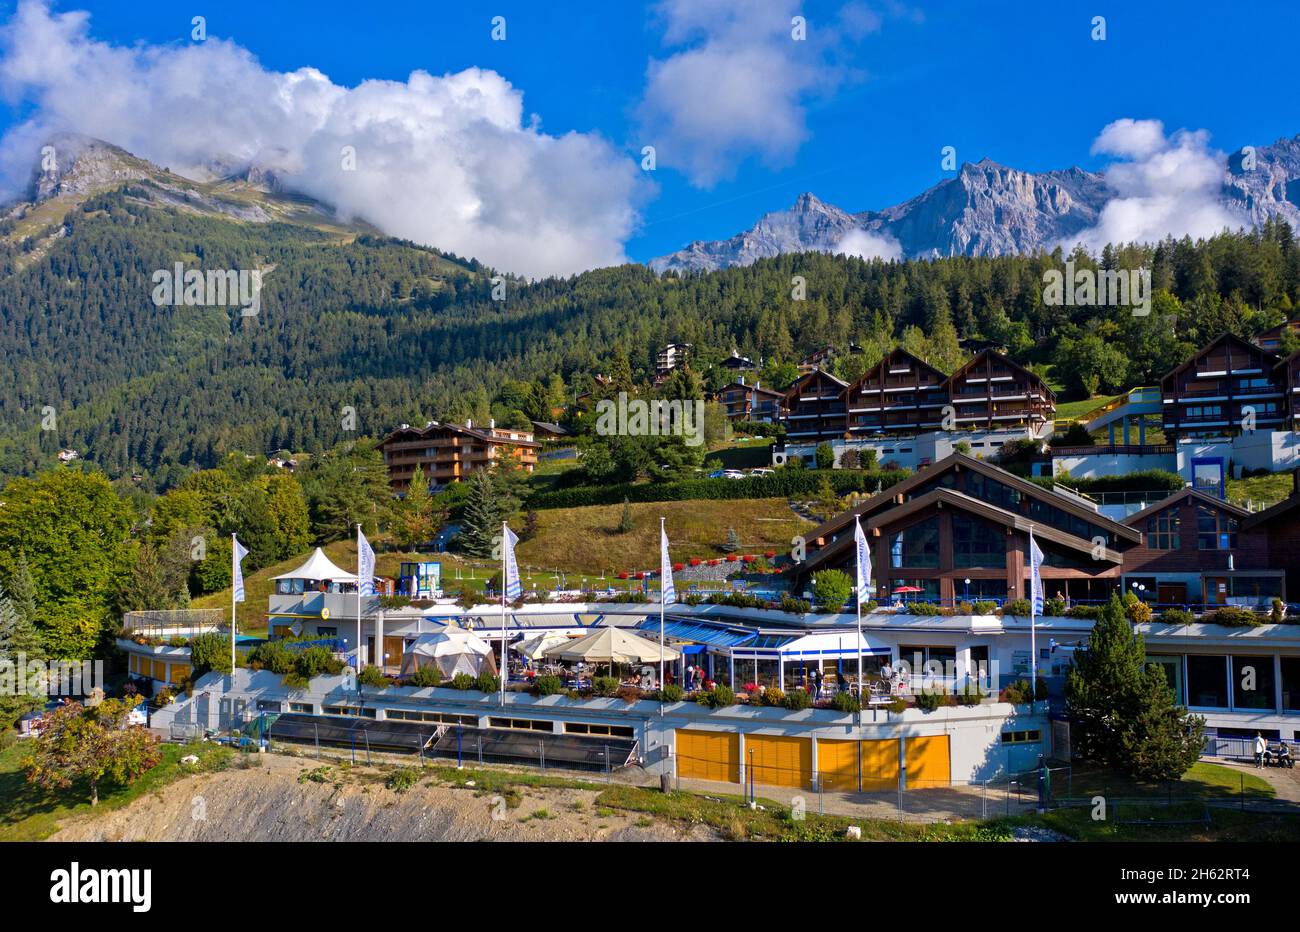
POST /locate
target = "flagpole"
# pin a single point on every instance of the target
(505, 664)
(358, 644)
(1033, 639)
(662, 590)
(862, 585)
(234, 568)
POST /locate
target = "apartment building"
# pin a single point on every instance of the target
(672, 356)
(1227, 387)
(1288, 375)
(900, 393)
(749, 402)
(1271, 340)
(450, 452)
(991, 392)
(813, 407)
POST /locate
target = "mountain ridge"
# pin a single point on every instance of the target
(985, 209)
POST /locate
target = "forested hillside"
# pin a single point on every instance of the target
(402, 333)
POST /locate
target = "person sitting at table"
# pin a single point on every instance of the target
(841, 682)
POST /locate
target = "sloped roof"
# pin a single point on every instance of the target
(1188, 492)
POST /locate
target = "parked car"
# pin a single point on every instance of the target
(762, 471)
(732, 474)
(717, 474)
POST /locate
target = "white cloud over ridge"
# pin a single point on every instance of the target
(864, 245)
(450, 161)
(1163, 185)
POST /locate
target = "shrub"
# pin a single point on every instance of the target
(671, 692)
(487, 682)
(426, 676)
(209, 652)
(1017, 693)
(402, 779)
(1176, 616)
(796, 700)
(548, 685)
(970, 695)
(1092, 612)
(164, 697)
(1232, 616)
(605, 685)
(831, 589)
(923, 608)
(898, 706)
(824, 455)
(845, 702)
(1278, 612)
(929, 701)
(372, 676)
(717, 697)
(317, 660)
(462, 681)
(1138, 612)
(1054, 607)
(274, 656)
(773, 696)
(628, 693)
(984, 608)
(1016, 607)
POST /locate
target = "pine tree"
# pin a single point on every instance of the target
(625, 523)
(1123, 712)
(20, 642)
(413, 517)
(480, 516)
(732, 543)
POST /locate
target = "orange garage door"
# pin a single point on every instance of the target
(839, 761)
(879, 765)
(779, 761)
(928, 763)
(708, 755)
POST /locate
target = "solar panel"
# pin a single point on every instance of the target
(340, 731)
(522, 747)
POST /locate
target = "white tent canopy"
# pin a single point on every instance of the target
(319, 567)
(535, 647)
(452, 650)
(612, 645)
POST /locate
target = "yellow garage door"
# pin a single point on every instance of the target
(708, 755)
(837, 762)
(879, 765)
(927, 762)
(779, 761)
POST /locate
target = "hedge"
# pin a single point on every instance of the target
(785, 483)
(1146, 480)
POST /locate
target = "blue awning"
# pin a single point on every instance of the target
(708, 634)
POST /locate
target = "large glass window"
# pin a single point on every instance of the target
(1291, 684)
(1173, 668)
(1252, 682)
(981, 589)
(928, 590)
(917, 547)
(1214, 529)
(1162, 530)
(990, 490)
(1207, 682)
(977, 543)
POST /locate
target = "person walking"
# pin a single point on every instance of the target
(1260, 747)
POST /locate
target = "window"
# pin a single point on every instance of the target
(981, 589)
(268, 705)
(917, 547)
(348, 710)
(1214, 529)
(1173, 668)
(990, 490)
(1252, 683)
(977, 543)
(521, 724)
(1162, 531)
(1021, 737)
(612, 731)
(1291, 684)
(1207, 681)
(441, 718)
(303, 707)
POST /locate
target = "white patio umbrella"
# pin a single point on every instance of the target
(452, 650)
(612, 645)
(536, 646)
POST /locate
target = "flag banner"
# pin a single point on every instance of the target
(365, 565)
(668, 592)
(510, 575)
(237, 572)
(863, 562)
(1035, 577)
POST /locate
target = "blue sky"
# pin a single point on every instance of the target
(868, 102)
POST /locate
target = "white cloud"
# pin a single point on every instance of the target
(1163, 186)
(866, 245)
(450, 161)
(736, 86)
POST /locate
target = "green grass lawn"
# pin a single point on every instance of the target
(1203, 781)
(1271, 488)
(30, 813)
(1069, 410)
(744, 454)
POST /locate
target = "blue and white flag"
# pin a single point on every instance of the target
(237, 572)
(365, 565)
(863, 562)
(1035, 578)
(667, 591)
(510, 569)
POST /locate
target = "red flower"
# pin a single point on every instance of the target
(678, 566)
(770, 554)
(640, 575)
(622, 575)
(731, 558)
(696, 561)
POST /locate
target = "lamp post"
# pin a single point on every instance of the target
(967, 588)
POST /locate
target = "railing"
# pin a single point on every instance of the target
(161, 623)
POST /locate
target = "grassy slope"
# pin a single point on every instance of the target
(1068, 410)
(29, 813)
(1270, 488)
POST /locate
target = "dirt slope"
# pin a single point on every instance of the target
(270, 802)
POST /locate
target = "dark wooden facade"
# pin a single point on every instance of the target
(991, 392)
(813, 407)
(450, 452)
(750, 402)
(1211, 393)
(901, 393)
